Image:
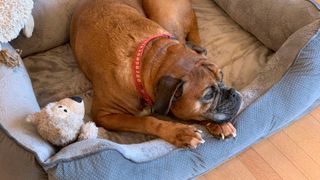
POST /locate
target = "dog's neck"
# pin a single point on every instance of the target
(151, 60)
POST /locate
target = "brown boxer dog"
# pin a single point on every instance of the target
(138, 69)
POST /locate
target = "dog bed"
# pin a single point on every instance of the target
(274, 62)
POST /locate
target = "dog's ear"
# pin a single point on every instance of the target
(166, 88)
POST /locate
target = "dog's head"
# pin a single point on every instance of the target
(199, 94)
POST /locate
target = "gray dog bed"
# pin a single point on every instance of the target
(269, 50)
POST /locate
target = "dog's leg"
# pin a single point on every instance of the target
(220, 131)
(193, 37)
(196, 48)
(175, 133)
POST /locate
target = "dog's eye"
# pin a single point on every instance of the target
(65, 110)
(59, 106)
(208, 96)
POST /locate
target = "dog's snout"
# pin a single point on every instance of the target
(76, 98)
(232, 92)
(227, 107)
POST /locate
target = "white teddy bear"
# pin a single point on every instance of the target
(61, 123)
(14, 16)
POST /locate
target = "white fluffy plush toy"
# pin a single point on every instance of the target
(61, 123)
(14, 16)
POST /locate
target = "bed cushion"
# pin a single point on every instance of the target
(16, 162)
(17, 100)
(55, 75)
(271, 21)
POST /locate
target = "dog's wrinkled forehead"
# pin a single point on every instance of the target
(205, 70)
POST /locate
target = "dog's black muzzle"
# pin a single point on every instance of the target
(227, 107)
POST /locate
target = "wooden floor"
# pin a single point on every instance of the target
(293, 153)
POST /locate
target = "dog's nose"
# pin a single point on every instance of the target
(232, 92)
(76, 98)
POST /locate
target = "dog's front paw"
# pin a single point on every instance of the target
(222, 131)
(183, 136)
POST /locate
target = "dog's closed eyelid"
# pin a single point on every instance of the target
(208, 94)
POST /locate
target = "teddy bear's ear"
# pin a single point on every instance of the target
(29, 26)
(33, 118)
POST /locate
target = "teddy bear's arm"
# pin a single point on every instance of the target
(88, 131)
(33, 118)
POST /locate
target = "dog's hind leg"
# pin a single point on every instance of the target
(193, 38)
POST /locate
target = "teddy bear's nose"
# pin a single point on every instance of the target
(76, 98)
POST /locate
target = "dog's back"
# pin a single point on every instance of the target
(113, 29)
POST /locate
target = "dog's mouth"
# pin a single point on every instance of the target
(227, 108)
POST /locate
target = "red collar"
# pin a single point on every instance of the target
(136, 67)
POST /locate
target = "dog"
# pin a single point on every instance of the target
(137, 55)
